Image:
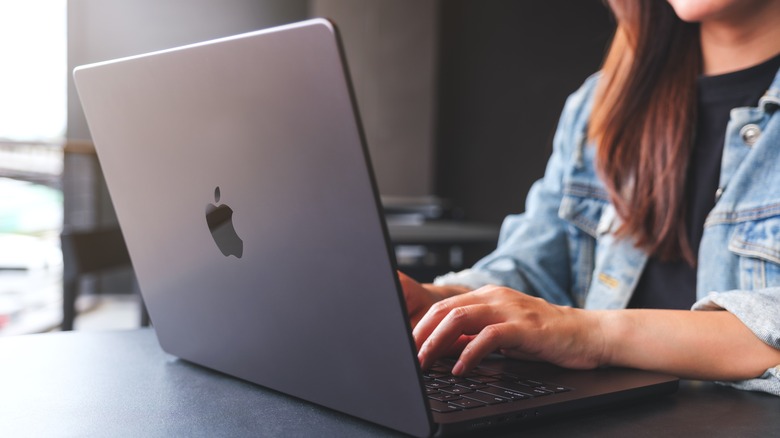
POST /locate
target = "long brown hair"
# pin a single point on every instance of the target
(643, 122)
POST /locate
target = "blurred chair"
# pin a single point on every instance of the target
(91, 252)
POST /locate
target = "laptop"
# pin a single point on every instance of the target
(242, 183)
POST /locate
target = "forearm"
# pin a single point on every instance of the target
(712, 345)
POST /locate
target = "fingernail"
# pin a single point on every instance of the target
(458, 368)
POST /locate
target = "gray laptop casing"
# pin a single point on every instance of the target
(266, 124)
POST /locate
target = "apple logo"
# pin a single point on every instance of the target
(220, 221)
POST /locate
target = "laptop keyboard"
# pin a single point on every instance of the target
(480, 387)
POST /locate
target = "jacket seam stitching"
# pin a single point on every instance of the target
(743, 215)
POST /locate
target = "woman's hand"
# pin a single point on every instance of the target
(419, 298)
(713, 345)
(520, 326)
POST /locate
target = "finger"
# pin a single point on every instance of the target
(466, 320)
(438, 311)
(490, 339)
(457, 347)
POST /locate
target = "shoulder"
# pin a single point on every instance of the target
(579, 104)
(571, 133)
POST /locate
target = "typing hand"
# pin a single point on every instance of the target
(500, 319)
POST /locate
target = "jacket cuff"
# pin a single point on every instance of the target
(768, 382)
(760, 312)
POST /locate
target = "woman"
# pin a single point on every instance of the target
(662, 194)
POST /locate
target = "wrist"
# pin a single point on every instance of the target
(607, 327)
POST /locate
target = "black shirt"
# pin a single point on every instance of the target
(672, 285)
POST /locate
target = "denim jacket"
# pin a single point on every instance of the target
(563, 247)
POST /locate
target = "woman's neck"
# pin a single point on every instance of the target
(739, 41)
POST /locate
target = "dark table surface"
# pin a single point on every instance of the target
(120, 383)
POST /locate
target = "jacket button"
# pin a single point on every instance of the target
(718, 194)
(750, 134)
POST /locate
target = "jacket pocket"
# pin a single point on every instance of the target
(757, 243)
(584, 213)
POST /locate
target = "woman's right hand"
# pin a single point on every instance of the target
(420, 297)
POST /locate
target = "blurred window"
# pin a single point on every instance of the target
(33, 117)
(33, 78)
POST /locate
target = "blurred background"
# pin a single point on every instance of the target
(459, 100)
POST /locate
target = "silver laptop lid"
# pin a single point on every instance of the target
(303, 297)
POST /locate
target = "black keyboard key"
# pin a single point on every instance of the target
(437, 385)
(439, 368)
(480, 387)
(512, 386)
(437, 375)
(538, 392)
(486, 372)
(511, 378)
(506, 393)
(554, 388)
(467, 403)
(451, 379)
(443, 407)
(472, 385)
(488, 399)
(444, 397)
(458, 390)
(483, 379)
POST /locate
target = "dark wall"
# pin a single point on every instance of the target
(505, 70)
(391, 49)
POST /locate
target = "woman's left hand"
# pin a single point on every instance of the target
(520, 326)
